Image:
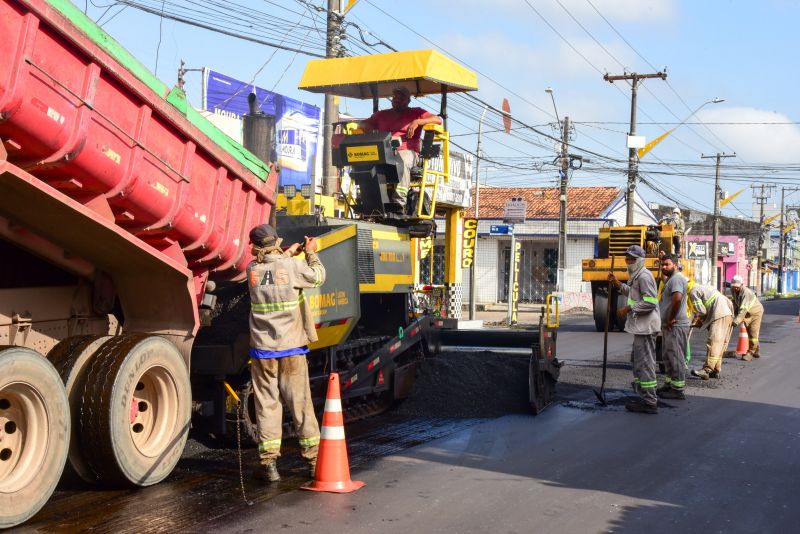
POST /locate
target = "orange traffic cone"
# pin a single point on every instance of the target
(333, 469)
(744, 341)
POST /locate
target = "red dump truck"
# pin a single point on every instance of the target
(124, 220)
(119, 205)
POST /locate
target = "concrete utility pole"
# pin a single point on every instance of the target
(781, 238)
(761, 198)
(786, 257)
(562, 218)
(473, 268)
(333, 48)
(632, 159)
(715, 227)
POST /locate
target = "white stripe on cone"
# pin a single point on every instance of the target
(333, 405)
(332, 433)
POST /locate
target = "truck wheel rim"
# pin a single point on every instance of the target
(23, 435)
(153, 412)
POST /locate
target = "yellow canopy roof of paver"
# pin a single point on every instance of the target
(422, 72)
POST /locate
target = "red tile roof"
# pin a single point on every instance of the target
(543, 203)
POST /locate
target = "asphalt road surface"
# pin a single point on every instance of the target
(727, 459)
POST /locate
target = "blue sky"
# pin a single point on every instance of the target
(741, 51)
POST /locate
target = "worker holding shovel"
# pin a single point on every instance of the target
(643, 321)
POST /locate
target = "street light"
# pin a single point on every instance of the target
(562, 215)
(549, 90)
(652, 144)
(715, 100)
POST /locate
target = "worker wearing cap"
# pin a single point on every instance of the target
(674, 328)
(281, 327)
(712, 311)
(679, 227)
(406, 123)
(747, 308)
(643, 321)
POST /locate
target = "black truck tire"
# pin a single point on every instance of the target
(34, 427)
(600, 303)
(135, 410)
(70, 357)
(621, 301)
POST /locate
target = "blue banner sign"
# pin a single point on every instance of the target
(297, 125)
(501, 229)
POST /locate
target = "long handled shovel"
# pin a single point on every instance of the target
(601, 395)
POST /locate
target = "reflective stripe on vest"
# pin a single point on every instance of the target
(317, 276)
(267, 307)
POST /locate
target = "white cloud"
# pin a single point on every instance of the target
(616, 11)
(756, 143)
(549, 62)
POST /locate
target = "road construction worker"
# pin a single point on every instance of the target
(406, 123)
(281, 327)
(747, 308)
(674, 328)
(679, 226)
(713, 311)
(643, 321)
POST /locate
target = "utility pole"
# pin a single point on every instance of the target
(562, 218)
(781, 238)
(632, 159)
(786, 257)
(715, 227)
(761, 198)
(474, 267)
(332, 49)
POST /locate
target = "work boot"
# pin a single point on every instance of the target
(747, 356)
(267, 473)
(312, 468)
(756, 354)
(662, 389)
(713, 374)
(701, 373)
(640, 406)
(672, 393)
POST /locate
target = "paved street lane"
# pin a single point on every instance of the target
(725, 460)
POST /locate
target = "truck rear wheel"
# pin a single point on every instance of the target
(600, 303)
(621, 301)
(34, 433)
(70, 358)
(136, 409)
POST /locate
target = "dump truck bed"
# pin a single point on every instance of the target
(78, 112)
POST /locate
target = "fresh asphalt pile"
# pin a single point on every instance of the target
(229, 318)
(465, 384)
